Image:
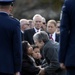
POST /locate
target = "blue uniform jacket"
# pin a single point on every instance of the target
(67, 34)
(10, 44)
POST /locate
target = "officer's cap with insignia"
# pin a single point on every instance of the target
(6, 2)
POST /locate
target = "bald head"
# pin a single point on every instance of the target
(24, 24)
(23, 21)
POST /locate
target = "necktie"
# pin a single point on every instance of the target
(51, 37)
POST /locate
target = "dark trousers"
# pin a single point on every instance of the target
(5, 74)
(70, 72)
(63, 72)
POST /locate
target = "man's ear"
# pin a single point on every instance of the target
(10, 9)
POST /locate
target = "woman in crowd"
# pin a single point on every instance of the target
(28, 65)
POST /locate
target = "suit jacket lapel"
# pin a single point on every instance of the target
(33, 31)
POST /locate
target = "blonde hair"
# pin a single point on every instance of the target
(52, 21)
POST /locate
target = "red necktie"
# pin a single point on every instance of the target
(51, 37)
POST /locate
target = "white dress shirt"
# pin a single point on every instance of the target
(22, 31)
(37, 30)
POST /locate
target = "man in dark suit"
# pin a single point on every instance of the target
(24, 26)
(51, 29)
(10, 41)
(28, 34)
(49, 52)
(67, 37)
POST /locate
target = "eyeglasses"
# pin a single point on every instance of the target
(26, 24)
(58, 27)
(44, 23)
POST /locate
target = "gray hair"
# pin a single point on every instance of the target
(23, 21)
(37, 15)
(41, 36)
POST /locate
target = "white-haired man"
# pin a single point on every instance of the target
(24, 26)
(28, 35)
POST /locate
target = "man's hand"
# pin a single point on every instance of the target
(62, 66)
(42, 71)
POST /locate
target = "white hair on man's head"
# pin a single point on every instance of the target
(23, 21)
(37, 15)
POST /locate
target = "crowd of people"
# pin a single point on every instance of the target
(38, 23)
(41, 38)
(36, 46)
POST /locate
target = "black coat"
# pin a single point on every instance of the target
(28, 68)
(28, 35)
(57, 36)
(22, 36)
